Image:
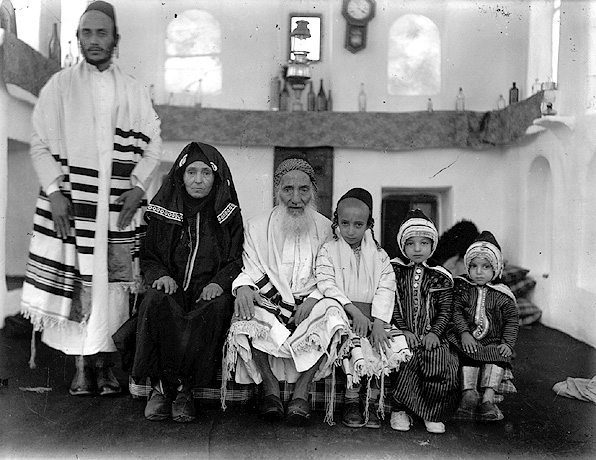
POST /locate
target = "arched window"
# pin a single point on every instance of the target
(556, 33)
(414, 56)
(193, 48)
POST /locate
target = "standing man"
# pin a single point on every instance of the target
(283, 327)
(95, 145)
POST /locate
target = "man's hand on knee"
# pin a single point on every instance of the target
(303, 310)
(244, 305)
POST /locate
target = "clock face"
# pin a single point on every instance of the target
(358, 9)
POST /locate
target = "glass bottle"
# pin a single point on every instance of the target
(429, 105)
(321, 99)
(54, 51)
(362, 99)
(501, 104)
(274, 94)
(284, 98)
(151, 91)
(513, 94)
(69, 58)
(536, 86)
(460, 101)
(329, 101)
(311, 103)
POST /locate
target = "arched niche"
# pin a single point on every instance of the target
(539, 217)
(587, 256)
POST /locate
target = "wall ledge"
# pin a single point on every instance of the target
(358, 130)
(25, 67)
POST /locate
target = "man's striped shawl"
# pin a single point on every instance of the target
(56, 269)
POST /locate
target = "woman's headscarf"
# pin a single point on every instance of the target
(172, 201)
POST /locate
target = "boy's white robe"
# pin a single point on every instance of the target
(367, 279)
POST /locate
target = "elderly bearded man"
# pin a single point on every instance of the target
(283, 329)
(95, 145)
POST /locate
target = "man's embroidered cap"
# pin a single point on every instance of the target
(294, 164)
(417, 224)
(486, 246)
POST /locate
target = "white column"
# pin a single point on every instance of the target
(3, 179)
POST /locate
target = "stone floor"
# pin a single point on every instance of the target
(537, 424)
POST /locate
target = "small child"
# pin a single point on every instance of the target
(353, 269)
(485, 329)
(427, 385)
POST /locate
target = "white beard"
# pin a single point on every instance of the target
(292, 225)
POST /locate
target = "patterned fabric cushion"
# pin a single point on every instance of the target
(512, 274)
(528, 312)
(522, 287)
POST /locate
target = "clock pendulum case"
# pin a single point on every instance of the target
(358, 13)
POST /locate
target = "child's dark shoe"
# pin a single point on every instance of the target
(352, 416)
(489, 412)
(467, 406)
(373, 420)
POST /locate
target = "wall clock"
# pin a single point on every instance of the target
(358, 13)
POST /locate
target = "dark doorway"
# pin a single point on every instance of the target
(395, 206)
(321, 159)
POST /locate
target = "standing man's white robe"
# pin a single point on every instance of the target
(109, 301)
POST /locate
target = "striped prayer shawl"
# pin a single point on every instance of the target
(57, 270)
(59, 273)
(263, 243)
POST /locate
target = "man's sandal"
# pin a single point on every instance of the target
(83, 383)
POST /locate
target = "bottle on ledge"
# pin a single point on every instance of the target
(429, 105)
(321, 99)
(513, 94)
(536, 86)
(311, 103)
(274, 94)
(329, 101)
(284, 98)
(362, 99)
(69, 58)
(501, 104)
(460, 101)
(54, 51)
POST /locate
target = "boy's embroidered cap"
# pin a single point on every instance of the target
(360, 194)
(486, 246)
(417, 224)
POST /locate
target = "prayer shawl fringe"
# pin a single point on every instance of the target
(320, 334)
(58, 270)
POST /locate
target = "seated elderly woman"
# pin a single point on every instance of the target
(190, 257)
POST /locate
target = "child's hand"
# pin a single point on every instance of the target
(469, 343)
(430, 341)
(166, 283)
(505, 351)
(360, 323)
(379, 338)
(411, 339)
